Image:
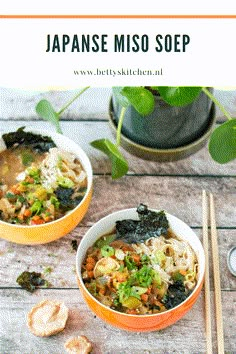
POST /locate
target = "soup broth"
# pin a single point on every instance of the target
(14, 161)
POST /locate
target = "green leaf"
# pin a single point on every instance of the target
(222, 145)
(179, 96)
(120, 98)
(140, 98)
(119, 164)
(45, 110)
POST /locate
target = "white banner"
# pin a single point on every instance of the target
(68, 53)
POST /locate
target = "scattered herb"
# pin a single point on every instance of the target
(107, 251)
(21, 199)
(10, 195)
(55, 202)
(144, 276)
(65, 182)
(36, 207)
(150, 224)
(48, 270)
(52, 255)
(106, 240)
(31, 280)
(160, 257)
(137, 284)
(130, 263)
(74, 245)
(126, 290)
(34, 173)
(144, 259)
(27, 158)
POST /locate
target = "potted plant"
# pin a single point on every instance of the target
(159, 131)
(131, 107)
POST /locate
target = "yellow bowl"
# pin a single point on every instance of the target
(139, 323)
(51, 231)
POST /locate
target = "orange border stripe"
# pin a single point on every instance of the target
(117, 16)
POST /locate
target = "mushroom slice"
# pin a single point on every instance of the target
(78, 345)
(104, 266)
(48, 317)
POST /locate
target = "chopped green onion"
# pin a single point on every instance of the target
(107, 251)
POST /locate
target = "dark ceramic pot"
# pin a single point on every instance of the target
(169, 133)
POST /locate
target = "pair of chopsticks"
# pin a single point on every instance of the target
(216, 273)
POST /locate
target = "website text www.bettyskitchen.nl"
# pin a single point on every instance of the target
(119, 72)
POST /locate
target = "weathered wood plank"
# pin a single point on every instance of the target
(178, 196)
(186, 336)
(85, 132)
(56, 260)
(18, 104)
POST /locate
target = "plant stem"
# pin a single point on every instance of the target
(72, 100)
(120, 122)
(58, 128)
(223, 110)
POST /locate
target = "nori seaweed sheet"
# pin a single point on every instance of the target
(36, 142)
(150, 224)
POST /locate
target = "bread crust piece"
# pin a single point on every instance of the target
(78, 345)
(47, 318)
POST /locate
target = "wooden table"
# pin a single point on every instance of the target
(175, 187)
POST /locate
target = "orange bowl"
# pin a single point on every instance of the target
(139, 323)
(51, 231)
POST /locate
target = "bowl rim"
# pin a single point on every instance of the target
(103, 220)
(85, 163)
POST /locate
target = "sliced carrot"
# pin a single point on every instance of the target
(136, 257)
(36, 218)
(14, 189)
(89, 266)
(37, 221)
(90, 274)
(182, 272)
(91, 260)
(144, 297)
(102, 291)
(29, 179)
(27, 213)
(131, 312)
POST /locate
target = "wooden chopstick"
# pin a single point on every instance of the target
(207, 279)
(216, 273)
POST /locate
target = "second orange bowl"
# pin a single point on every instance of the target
(139, 323)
